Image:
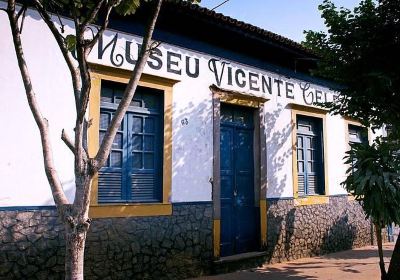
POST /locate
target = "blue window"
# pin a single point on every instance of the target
(357, 134)
(310, 166)
(133, 172)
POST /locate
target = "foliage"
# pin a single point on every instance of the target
(374, 179)
(360, 51)
(89, 11)
(82, 9)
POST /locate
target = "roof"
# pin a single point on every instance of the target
(197, 28)
(222, 19)
(191, 26)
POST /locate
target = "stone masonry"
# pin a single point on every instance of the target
(304, 231)
(169, 247)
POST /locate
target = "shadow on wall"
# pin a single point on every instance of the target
(69, 190)
(340, 236)
(192, 151)
(305, 231)
(277, 154)
(280, 232)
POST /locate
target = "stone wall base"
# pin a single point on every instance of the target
(305, 231)
(169, 247)
(172, 247)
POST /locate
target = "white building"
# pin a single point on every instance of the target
(222, 151)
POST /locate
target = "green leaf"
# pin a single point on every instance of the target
(127, 7)
(70, 42)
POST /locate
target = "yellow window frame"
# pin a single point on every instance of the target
(96, 210)
(315, 113)
(347, 122)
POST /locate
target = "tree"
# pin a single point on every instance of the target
(374, 179)
(92, 16)
(360, 53)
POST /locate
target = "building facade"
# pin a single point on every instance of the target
(222, 152)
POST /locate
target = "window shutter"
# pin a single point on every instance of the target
(133, 171)
(312, 184)
(301, 185)
(301, 166)
(110, 182)
(110, 187)
(357, 134)
(143, 187)
(145, 176)
(309, 156)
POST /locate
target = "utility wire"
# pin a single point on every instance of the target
(219, 5)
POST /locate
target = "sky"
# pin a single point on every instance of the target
(288, 18)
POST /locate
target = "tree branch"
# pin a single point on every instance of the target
(103, 27)
(154, 45)
(61, 44)
(82, 54)
(67, 141)
(58, 193)
(22, 20)
(93, 14)
(83, 50)
(91, 30)
(80, 78)
(108, 139)
(22, 10)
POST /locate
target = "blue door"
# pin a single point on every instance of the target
(239, 216)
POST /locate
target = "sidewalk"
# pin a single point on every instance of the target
(357, 264)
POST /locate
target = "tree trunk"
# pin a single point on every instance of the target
(378, 231)
(394, 266)
(74, 251)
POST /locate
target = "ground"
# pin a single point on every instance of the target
(357, 264)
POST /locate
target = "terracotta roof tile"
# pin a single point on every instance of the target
(240, 25)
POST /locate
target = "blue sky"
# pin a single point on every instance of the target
(286, 17)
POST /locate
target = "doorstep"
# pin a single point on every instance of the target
(239, 262)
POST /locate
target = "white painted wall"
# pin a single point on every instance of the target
(336, 148)
(23, 180)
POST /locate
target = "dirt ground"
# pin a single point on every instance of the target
(357, 264)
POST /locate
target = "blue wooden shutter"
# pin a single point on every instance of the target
(312, 165)
(301, 165)
(133, 172)
(309, 156)
(146, 176)
(357, 134)
(111, 175)
(145, 146)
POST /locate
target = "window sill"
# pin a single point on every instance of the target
(311, 200)
(130, 210)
